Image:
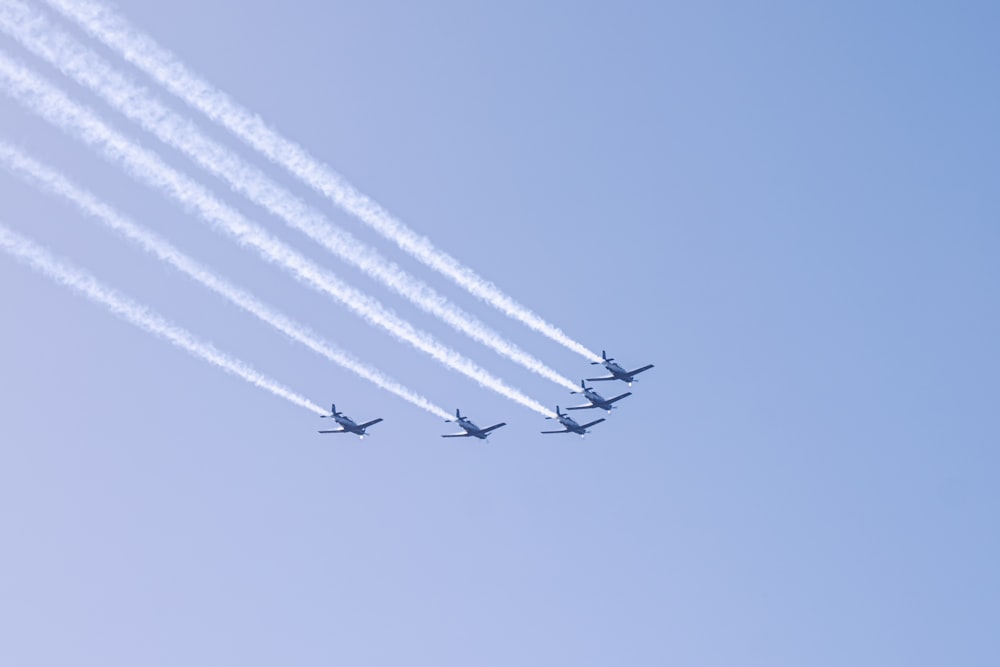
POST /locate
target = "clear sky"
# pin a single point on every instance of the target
(790, 208)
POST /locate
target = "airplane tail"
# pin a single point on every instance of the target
(604, 355)
(583, 387)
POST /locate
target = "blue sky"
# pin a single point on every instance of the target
(790, 210)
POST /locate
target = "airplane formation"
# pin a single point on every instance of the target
(46, 99)
(570, 425)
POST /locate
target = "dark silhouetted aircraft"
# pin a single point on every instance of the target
(572, 426)
(617, 372)
(347, 424)
(596, 400)
(471, 430)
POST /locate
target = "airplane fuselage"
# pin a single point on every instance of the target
(595, 398)
(471, 428)
(571, 425)
(349, 425)
(619, 372)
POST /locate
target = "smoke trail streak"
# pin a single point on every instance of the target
(49, 180)
(54, 106)
(38, 35)
(140, 316)
(142, 51)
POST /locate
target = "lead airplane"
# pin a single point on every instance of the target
(617, 372)
(596, 400)
(347, 424)
(571, 425)
(471, 430)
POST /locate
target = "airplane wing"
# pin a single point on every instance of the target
(457, 435)
(598, 421)
(639, 370)
(490, 428)
(610, 377)
(367, 424)
(581, 407)
(339, 430)
(562, 431)
(618, 398)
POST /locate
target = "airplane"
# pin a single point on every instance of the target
(471, 430)
(617, 372)
(348, 424)
(596, 400)
(572, 426)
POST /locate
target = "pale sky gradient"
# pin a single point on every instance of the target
(791, 210)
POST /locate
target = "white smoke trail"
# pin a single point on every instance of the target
(50, 103)
(52, 181)
(142, 51)
(38, 35)
(130, 311)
